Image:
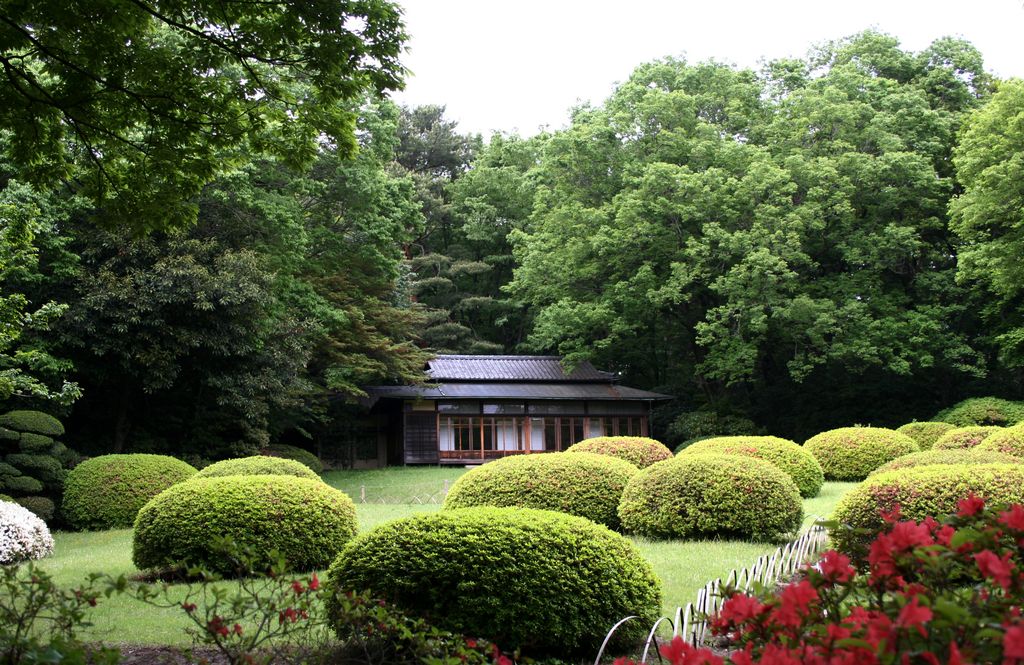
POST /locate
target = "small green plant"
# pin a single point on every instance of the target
(258, 465)
(295, 453)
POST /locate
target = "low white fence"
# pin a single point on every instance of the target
(691, 621)
(420, 494)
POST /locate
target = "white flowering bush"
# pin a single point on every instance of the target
(22, 534)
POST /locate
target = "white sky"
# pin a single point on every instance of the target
(519, 65)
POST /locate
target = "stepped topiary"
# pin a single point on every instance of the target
(258, 465)
(582, 484)
(1009, 441)
(851, 453)
(306, 521)
(983, 411)
(547, 583)
(925, 433)
(919, 492)
(965, 437)
(791, 458)
(34, 463)
(711, 495)
(107, 492)
(23, 535)
(637, 450)
(300, 455)
(963, 456)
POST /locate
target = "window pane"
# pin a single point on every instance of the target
(445, 434)
(500, 408)
(459, 407)
(557, 407)
(614, 407)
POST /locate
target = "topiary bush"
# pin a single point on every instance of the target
(637, 450)
(43, 507)
(965, 437)
(983, 411)
(791, 458)
(925, 433)
(966, 456)
(547, 583)
(920, 492)
(691, 425)
(34, 464)
(306, 521)
(257, 465)
(36, 422)
(689, 442)
(300, 455)
(582, 484)
(711, 495)
(23, 535)
(107, 492)
(1009, 441)
(851, 453)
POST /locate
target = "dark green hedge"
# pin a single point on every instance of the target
(258, 465)
(300, 455)
(797, 463)
(965, 437)
(924, 491)
(582, 484)
(925, 433)
(1009, 441)
(544, 582)
(42, 506)
(305, 520)
(965, 456)
(983, 411)
(639, 451)
(32, 421)
(711, 495)
(106, 492)
(851, 453)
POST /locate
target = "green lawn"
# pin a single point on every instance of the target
(684, 566)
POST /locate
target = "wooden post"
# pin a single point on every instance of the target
(445, 491)
(362, 494)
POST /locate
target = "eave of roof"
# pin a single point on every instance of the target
(543, 369)
(534, 391)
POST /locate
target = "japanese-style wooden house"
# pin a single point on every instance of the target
(477, 408)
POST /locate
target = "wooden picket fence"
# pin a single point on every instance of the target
(691, 621)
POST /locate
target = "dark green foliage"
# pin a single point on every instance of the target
(8, 434)
(20, 485)
(1009, 441)
(965, 437)
(295, 453)
(32, 421)
(8, 470)
(963, 456)
(582, 484)
(692, 425)
(44, 467)
(107, 492)
(36, 443)
(851, 453)
(925, 433)
(637, 450)
(257, 465)
(794, 460)
(983, 411)
(305, 521)
(921, 492)
(711, 495)
(547, 583)
(42, 506)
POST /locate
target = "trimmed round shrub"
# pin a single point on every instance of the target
(1009, 441)
(300, 455)
(32, 421)
(965, 437)
(43, 507)
(637, 450)
(791, 458)
(582, 484)
(925, 433)
(711, 495)
(544, 582)
(257, 465)
(930, 457)
(306, 521)
(23, 535)
(924, 491)
(851, 453)
(689, 442)
(106, 492)
(983, 411)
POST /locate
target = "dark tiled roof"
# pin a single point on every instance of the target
(511, 368)
(556, 391)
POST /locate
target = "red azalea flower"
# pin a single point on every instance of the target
(913, 615)
(297, 587)
(1013, 642)
(972, 505)
(1013, 518)
(993, 567)
(892, 516)
(741, 608)
(835, 567)
(681, 653)
(794, 602)
(954, 655)
(314, 583)
(908, 535)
